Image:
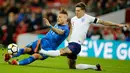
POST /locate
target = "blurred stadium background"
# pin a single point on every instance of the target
(21, 22)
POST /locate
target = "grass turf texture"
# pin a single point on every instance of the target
(59, 65)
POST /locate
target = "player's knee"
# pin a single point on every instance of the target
(36, 56)
(65, 51)
(27, 50)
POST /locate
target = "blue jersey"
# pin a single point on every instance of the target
(52, 40)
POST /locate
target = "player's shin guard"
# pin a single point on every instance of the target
(52, 53)
(27, 61)
(21, 51)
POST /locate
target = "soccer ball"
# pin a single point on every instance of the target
(13, 49)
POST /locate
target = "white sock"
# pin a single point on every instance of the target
(86, 66)
(52, 53)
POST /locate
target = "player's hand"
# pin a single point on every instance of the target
(46, 22)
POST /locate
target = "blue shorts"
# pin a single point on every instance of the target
(75, 48)
(33, 46)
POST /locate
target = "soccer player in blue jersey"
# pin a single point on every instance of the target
(51, 41)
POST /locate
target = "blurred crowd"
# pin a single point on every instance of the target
(108, 33)
(22, 16)
(100, 7)
(25, 16)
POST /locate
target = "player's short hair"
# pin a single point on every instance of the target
(81, 5)
(63, 11)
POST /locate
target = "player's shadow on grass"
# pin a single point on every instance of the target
(47, 67)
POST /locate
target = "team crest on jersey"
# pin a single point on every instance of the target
(83, 19)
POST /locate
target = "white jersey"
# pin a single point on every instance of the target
(80, 28)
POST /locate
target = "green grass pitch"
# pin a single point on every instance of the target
(59, 65)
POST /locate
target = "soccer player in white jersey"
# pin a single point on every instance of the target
(80, 25)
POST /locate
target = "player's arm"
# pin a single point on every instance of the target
(58, 31)
(70, 31)
(69, 34)
(108, 23)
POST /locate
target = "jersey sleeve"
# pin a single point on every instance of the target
(93, 19)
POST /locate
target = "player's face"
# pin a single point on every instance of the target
(62, 19)
(79, 12)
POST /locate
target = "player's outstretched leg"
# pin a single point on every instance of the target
(52, 53)
(27, 60)
(23, 62)
(8, 56)
(87, 66)
(21, 51)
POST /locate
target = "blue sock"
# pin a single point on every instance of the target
(21, 51)
(27, 61)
